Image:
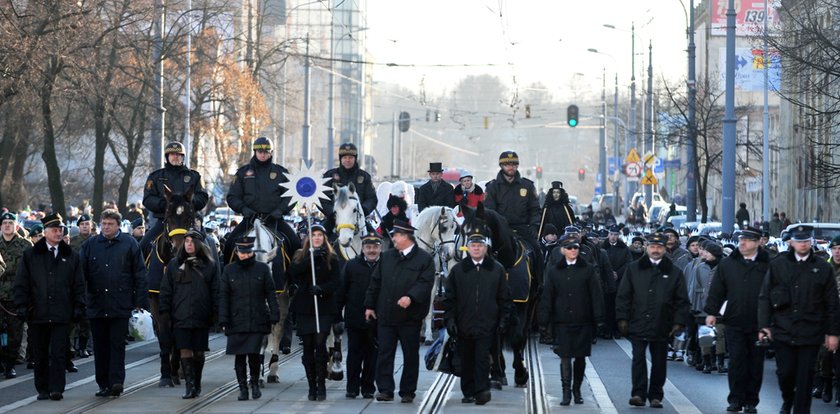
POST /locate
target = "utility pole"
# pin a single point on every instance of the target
(649, 121)
(188, 91)
(765, 167)
(602, 139)
(331, 103)
(631, 185)
(307, 152)
(616, 154)
(691, 148)
(157, 130)
(728, 203)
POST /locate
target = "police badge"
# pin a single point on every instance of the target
(273, 175)
(187, 178)
(360, 179)
(523, 192)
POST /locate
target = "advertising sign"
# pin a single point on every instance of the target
(749, 20)
(749, 69)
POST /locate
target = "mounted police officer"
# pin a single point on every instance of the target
(348, 172)
(12, 246)
(435, 192)
(180, 180)
(256, 193)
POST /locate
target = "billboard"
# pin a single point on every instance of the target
(749, 69)
(749, 19)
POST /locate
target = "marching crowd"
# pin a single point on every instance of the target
(702, 304)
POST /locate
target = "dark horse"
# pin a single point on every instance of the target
(518, 260)
(179, 217)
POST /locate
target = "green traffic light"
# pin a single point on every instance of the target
(572, 122)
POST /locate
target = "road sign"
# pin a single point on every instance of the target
(633, 156)
(633, 169)
(658, 168)
(753, 184)
(612, 165)
(649, 159)
(649, 178)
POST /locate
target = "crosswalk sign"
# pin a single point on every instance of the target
(633, 156)
(649, 178)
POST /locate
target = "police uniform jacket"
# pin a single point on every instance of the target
(180, 180)
(428, 195)
(340, 177)
(12, 251)
(326, 277)
(247, 302)
(618, 254)
(737, 282)
(50, 289)
(516, 200)
(396, 276)
(190, 299)
(477, 297)
(115, 276)
(571, 295)
(355, 279)
(652, 299)
(256, 189)
(798, 301)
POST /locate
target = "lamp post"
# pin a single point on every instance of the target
(603, 145)
(691, 149)
(765, 167)
(728, 202)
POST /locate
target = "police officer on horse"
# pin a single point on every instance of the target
(256, 193)
(180, 180)
(348, 172)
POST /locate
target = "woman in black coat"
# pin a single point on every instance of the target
(572, 303)
(303, 306)
(189, 294)
(247, 309)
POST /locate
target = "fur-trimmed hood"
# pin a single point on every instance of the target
(459, 190)
(665, 265)
(762, 255)
(40, 247)
(467, 264)
(579, 262)
(396, 201)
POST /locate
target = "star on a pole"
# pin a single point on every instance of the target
(306, 187)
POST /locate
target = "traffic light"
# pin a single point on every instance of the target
(527, 111)
(428, 115)
(405, 121)
(437, 116)
(581, 174)
(572, 115)
(539, 172)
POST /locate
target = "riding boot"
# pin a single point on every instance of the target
(580, 367)
(309, 367)
(707, 364)
(189, 378)
(165, 372)
(198, 369)
(272, 369)
(827, 391)
(721, 365)
(566, 380)
(175, 361)
(254, 366)
(241, 379)
(321, 378)
(520, 373)
(817, 392)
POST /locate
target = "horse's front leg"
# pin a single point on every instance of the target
(428, 336)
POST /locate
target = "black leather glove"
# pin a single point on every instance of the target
(503, 327)
(338, 328)
(164, 319)
(23, 314)
(316, 290)
(623, 327)
(78, 315)
(451, 328)
(319, 252)
(292, 289)
(224, 326)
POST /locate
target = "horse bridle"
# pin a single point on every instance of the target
(436, 249)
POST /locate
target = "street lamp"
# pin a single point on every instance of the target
(615, 124)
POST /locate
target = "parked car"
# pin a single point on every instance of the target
(823, 232)
(601, 201)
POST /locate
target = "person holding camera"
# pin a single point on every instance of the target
(734, 283)
(798, 311)
(313, 326)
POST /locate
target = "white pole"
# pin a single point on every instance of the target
(312, 263)
(765, 170)
(187, 103)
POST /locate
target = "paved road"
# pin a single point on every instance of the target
(608, 390)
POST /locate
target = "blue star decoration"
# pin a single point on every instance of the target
(306, 187)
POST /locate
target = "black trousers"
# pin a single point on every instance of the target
(276, 225)
(109, 350)
(361, 361)
(475, 364)
(408, 336)
(795, 371)
(746, 366)
(49, 346)
(658, 353)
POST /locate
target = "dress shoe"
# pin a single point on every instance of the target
(286, 350)
(56, 396)
(384, 397)
(786, 408)
(482, 398)
(495, 384)
(367, 395)
(103, 392)
(71, 367)
(10, 373)
(637, 401)
(116, 390)
(750, 409)
(734, 408)
(30, 365)
(654, 403)
(351, 394)
(43, 396)
(407, 399)
(468, 400)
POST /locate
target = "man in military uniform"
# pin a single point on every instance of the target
(348, 172)
(85, 225)
(180, 180)
(435, 192)
(36, 233)
(12, 246)
(256, 193)
(79, 329)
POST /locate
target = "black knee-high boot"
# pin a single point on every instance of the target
(309, 367)
(189, 377)
(175, 361)
(566, 380)
(580, 367)
(165, 371)
(321, 377)
(254, 366)
(241, 377)
(198, 369)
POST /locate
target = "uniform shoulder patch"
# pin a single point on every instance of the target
(149, 184)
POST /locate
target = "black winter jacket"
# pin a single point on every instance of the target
(571, 295)
(652, 299)
(395, 277)
(50, 289)
(256, 189)
(247, 302)
(738, 283)
(798, 301)
(180, 180)
(619, 255)
(516, 201)
(442, 196)
(300, 273)
(115, 276)
(340, 177)
(192, 300)
(477, 298)
(355, 279)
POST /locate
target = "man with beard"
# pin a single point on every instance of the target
(557, 210)
(620, 257)
(348, 172)
(676, 253)
(651, 307)
(435, 192)
(637, 247)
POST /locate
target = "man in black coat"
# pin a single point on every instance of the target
(477, 305)
(348, 172)
(49, 295)
(651, 307)
(619, 257)
(115, 277)
(798, 311)
(256, 193)
(398, 298)
(361, 334)
(734, 283)
(435, 192)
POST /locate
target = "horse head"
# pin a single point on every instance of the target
(179, 216)
(349, 215)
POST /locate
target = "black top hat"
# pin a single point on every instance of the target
(245, 244)
(801, 233)
(749, 233)
(401, 226)
(53, 220)
(371, 238)
(556, 184)
(435, 167)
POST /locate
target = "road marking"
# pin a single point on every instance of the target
(599, 390)
(673, 395)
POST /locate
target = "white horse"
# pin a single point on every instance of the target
(400, 189)
(436, 231)
(349, 223)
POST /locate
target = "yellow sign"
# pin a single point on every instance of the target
(650, 159)
(649, 178)
(632, 157)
